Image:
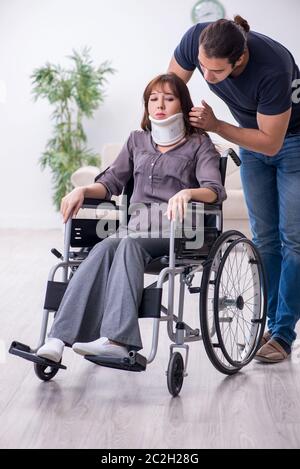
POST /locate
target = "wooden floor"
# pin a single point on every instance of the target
(87, 406)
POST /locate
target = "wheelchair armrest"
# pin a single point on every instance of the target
(212, 208)
(93, 203)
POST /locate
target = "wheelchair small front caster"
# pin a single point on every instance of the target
(175, 374)
(44, 372)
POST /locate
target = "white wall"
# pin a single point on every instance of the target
(138, 36)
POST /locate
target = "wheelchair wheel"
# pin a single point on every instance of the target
(45, 373)
(175, 374)
(234, 307)
(206, 304)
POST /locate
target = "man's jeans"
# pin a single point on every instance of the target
(272, 192)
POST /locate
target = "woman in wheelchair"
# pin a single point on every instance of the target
(172, 163)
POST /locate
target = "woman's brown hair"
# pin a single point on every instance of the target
(180, 90)
(225, 39)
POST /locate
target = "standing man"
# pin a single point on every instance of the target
(259, 80)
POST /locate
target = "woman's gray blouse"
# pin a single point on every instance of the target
(159, 176)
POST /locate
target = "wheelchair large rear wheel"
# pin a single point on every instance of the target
(240, 302)
(232, 302)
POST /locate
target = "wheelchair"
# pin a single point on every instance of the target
(231, 295)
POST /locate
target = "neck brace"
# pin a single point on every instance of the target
(168, 131)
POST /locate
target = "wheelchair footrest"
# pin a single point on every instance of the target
(24, 351)
(134, 362)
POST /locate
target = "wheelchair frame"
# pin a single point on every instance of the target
(151, 305)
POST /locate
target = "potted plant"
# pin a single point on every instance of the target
(75, 93)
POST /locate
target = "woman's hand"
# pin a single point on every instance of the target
(204, 118)
(178, 205)
(72, 202)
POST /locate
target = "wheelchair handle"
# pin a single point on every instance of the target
(235, 158)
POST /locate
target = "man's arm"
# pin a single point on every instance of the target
(268, 139)
(174, 67)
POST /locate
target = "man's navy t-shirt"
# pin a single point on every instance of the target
(266, 86)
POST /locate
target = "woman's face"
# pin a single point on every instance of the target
(163, 103)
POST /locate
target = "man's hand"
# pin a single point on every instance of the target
(178, 205)
(204, 118)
